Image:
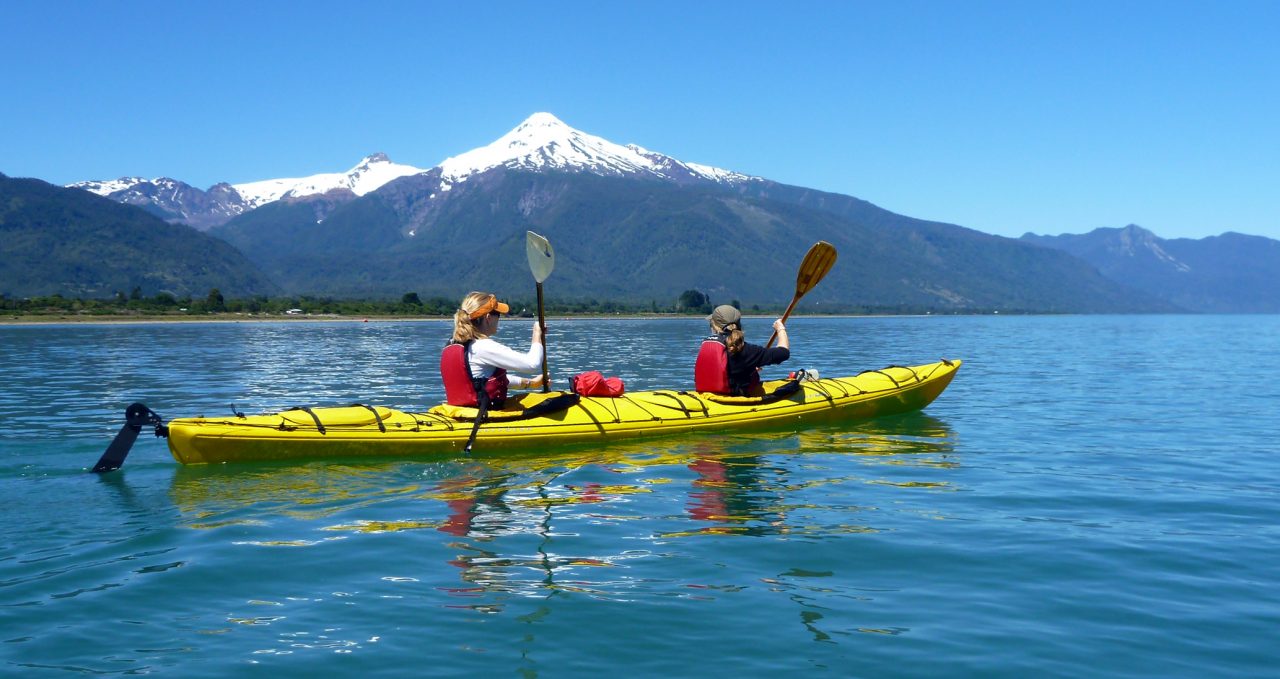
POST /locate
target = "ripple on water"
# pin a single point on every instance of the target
(1092, 495)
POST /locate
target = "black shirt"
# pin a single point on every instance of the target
(742, 365)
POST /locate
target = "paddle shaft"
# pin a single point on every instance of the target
(542, 323)
(785, 314)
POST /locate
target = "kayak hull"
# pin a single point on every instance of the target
(363, 431)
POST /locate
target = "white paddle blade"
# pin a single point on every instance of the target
(542, 259)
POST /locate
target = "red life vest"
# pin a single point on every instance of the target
(711, 370)
(460, 388)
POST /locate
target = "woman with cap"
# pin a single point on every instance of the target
(727, 364)
(474, 366)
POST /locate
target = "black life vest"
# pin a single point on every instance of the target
(460, 388)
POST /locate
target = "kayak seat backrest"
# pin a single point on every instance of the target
(782, 391)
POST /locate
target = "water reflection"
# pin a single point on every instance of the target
(737, 493)
(576, 521)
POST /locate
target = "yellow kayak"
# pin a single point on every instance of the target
(533, 421)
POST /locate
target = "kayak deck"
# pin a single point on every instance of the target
(359, 430)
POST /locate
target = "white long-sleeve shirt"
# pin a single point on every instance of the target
(489, 354)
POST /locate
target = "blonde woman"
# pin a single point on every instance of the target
(474, 366)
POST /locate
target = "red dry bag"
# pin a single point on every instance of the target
(592, 383)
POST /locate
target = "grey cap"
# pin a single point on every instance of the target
(725, 314)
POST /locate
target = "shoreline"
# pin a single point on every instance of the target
(72, 319)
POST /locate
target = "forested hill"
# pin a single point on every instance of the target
(1230, 273)
(628, 238)
(56, 240)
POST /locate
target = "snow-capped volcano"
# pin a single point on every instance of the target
(543, 142)
(369, 175)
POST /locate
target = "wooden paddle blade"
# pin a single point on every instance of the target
(817, 262)
(542, 259)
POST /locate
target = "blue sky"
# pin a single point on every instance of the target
(1006, 117)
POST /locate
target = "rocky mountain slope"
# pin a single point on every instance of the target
(55, 240)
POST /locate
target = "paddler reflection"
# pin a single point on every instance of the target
(748, 494)
(741, 493)
(493, 515)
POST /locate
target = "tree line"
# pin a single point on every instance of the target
(689, 302)
(409, 304)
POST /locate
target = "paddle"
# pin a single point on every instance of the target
(542, 259)
(817, 262)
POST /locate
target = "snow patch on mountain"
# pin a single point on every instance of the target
(369, 175)
(672, 169)
(107, 187)
(544, 142)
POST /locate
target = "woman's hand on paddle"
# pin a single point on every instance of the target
(537, 333)
(535, 383)
(781, 331)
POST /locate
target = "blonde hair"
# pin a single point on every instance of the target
(464, 328)
(734, 339)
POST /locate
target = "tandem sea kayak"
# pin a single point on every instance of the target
(535, 421)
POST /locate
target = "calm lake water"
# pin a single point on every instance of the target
(1093, 496)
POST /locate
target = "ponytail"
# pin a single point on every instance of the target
(464, 328)
(733, 338)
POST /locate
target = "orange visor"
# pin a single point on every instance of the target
(489, 307)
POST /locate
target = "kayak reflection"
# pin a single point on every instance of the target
(567, 522)
(747, 494)
(478, 492)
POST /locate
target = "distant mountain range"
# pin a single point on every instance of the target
(636, 225)
(627, 224)
(1230, 273)
(179, 202)
(56, 240)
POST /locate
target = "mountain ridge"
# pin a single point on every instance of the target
(383, 229)
(55, 240)
(541, 142)
(179, 202)
(636, 239)
(1227, 273)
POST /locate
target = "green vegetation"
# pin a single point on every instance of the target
(632, 241)
(624, 247)
(71, 242)
(696, 301)
(410, 305)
